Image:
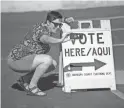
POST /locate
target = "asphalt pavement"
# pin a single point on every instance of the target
(13, 28)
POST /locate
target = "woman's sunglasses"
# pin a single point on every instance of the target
(57, 24)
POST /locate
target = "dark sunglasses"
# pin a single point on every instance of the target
(57, 24)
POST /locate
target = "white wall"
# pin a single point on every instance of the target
(30, 5)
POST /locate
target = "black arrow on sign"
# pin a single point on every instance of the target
(78, 66)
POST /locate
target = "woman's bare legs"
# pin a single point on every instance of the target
(41, 63)
(27, 78)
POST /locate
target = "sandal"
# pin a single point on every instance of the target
(22, 84)
(35, 91)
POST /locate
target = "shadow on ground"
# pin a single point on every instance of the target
(45, 83)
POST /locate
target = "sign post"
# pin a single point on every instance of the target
(88, 58)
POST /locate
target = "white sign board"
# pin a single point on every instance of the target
(88, 59)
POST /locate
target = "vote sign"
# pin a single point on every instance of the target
(88, 60)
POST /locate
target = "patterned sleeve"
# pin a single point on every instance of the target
(38, 31)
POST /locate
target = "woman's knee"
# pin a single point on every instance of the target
(46, 59)
(42, 59)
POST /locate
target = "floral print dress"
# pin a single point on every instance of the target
(31, 43)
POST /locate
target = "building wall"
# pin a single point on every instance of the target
(21, 6)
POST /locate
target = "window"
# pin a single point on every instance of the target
(85, 25)
(96, 24)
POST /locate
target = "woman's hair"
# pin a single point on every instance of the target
(52, 15)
